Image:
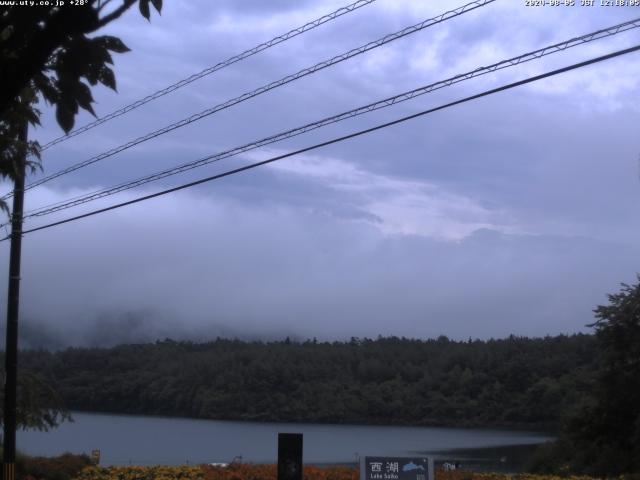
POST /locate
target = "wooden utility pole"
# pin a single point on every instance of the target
(13, 304)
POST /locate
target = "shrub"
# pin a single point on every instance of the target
(63, 467)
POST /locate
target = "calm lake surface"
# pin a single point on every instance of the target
(140, 440)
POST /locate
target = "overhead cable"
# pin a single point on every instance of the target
(208, 71)
(278, 83)
(387, 102)
(339, 139)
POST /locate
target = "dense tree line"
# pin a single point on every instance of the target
(510, 382)
(602, 436)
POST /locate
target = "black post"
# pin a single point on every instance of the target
(13, 303)
(289, 456)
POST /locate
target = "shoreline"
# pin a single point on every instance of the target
(547, 432)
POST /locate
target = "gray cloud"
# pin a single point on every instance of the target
(512, 214)
(190, 264)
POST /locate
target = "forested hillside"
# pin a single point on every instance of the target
(511, 382)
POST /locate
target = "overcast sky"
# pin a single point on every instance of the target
(513, 214)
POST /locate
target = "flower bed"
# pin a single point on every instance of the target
(206, 472)
(462, 475)
(269, 472)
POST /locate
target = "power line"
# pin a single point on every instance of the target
(208, 71)
(265, 88)
(342, 138)
(387, 102)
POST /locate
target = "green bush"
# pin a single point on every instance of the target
(550, 458)
(63, 467)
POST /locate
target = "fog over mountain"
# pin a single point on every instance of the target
(272, 271)
(513, 214)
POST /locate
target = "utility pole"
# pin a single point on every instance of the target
(13, 304)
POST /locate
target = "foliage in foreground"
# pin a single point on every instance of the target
(463, 475)
(206, 472)
(62, 467)
(51, 52)
(78, 467)
(269, 472)
(39, 406)
(603, 436)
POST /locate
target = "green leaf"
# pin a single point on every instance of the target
(33, 117)
(84, 97)
(45, 86)
(157, 4)
(92, 75)
(114, 44)
(107, 78)
(6, 32)
(99, 51)
(144, 9)
(65, 117)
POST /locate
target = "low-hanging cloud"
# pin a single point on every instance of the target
(197, 266)
(511, 214)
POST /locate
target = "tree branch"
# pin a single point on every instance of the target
(116, 13)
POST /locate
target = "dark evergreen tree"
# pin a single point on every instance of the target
(606, 434)
(601, 435)
(518, 382)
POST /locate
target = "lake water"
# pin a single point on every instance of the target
(142, 440)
